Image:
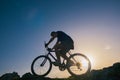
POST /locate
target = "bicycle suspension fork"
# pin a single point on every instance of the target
(44, 61)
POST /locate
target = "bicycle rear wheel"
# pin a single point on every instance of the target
(41, 66)
(81, 65)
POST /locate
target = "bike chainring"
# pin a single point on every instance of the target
(62, 67)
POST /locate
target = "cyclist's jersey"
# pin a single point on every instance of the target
(64, 38)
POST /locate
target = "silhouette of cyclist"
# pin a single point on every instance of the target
(63, 45)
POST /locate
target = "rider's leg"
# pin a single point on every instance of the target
(58, 49)
(63, 53)
(58, 56)
(61, 50)
(64, 46)
(58, 62)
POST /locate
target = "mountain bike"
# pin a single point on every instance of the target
(42, 65)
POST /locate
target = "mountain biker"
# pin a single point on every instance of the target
(63, 45)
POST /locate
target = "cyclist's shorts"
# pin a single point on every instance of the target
(64, 51)
(65, 47)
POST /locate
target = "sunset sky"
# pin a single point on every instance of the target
(94, 26)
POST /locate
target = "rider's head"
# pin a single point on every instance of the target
(54, 34)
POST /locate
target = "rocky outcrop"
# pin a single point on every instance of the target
(108, 73)
(10, 76)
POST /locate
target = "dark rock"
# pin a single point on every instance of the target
(27, 76)
(10, 76)
(108, 73)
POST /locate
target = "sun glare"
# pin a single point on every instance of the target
(92, 60)
(84, 63)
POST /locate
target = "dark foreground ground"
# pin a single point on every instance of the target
(109, 73)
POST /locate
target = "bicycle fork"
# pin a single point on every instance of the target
(44, 61)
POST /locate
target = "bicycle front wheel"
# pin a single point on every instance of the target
(81, 64)
(41, 66)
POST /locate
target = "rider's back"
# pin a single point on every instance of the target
(63, 37)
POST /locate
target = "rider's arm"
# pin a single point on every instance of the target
(52, 38)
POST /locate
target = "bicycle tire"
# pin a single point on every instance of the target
(88, 65)
(36, 72)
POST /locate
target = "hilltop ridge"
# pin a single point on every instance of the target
(107, 73)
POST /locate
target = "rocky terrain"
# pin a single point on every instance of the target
(108, 73)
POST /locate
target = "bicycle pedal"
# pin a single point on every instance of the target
(62, 68)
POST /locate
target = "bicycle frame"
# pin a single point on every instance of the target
(55, 58)
(51, 55)
(48, 59)
(44, 61)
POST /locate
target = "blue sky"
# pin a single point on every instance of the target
(94, 25)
